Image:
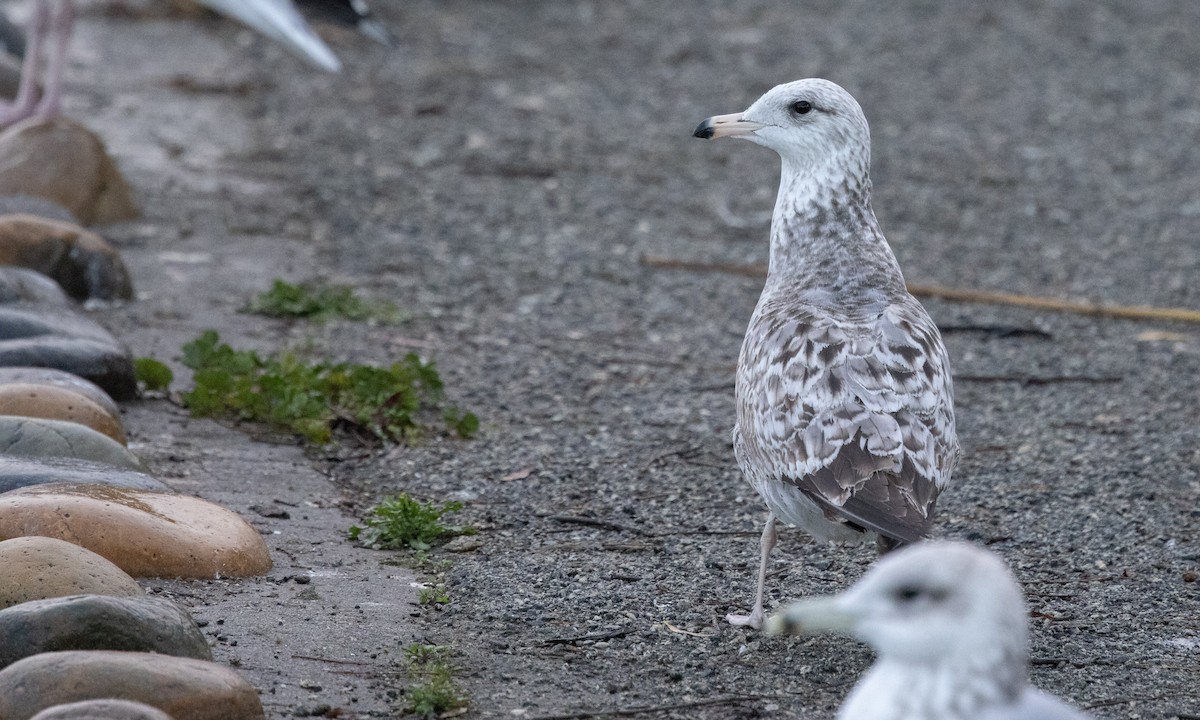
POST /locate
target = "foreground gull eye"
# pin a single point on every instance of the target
(907, 593)
(800, 107)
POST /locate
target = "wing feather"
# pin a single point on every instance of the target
(854, 411)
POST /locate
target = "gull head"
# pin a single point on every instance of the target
(929, 603)
(808, 122)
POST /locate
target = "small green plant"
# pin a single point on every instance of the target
(434, 595)
(154, 375)
(319, 303)
(435, 690)
(311, 399)
(401, 522)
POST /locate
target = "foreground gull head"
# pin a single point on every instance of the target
(948, 622)
(845, 420)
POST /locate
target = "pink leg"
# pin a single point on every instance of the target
(755, 618)
(25, 104)
(60, 25)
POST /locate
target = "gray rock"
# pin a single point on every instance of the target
(67, 341)
(42, 438)
(108, 709)
(99, 622)
(22, 285)
(19, 472)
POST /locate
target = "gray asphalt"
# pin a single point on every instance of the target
(500, 172)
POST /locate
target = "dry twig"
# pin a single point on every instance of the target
(941, 292)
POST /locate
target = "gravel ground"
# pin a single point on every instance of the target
(500, 172)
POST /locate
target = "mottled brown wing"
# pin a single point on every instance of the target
(856, 412)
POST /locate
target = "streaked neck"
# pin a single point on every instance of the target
(824, 233)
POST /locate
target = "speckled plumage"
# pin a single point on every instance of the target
(950, 628)
(845, 422)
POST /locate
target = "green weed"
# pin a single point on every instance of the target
(434, 595)
(154, 375)
(319, 303)
(311, 399)
(434, 691)
(401, 522)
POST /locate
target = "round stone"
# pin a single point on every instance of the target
(183, 688)
(99, 622)
(66, 340)
(145, 533)
(18, 472)
(59, 403)
(83, 263)
(60, 378)
(37, 438)
(62, 161)
(35, 568)
(102, 710)
(21, 285)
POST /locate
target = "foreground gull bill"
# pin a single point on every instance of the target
(949, 625)
(277, 19)
(845, 421)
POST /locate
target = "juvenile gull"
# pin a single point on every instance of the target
(845, 424)
(949, 625)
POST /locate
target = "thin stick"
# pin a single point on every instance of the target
(989, 297)
(598, 523)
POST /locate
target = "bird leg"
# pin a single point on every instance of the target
(26, 101)
(61, 25)
(755, 618)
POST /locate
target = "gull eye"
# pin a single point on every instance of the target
(801, 107)
(907, 593)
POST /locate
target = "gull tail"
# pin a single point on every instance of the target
(282, 22)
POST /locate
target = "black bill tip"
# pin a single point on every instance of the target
(704, 130)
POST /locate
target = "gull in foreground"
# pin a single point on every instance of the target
(277, 19)
(845, 421)
(949, 625)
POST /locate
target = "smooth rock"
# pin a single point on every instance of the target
(145, 533)
(65, 340)
(184, 688)
(32, 205)
(107, 709)
(82, 262)
(61, 160)
(58, 403)
(22, 285)
(60, 378)
(42, 438)
(35, 568)
(19, 472)
(10, 76)
(99, 622)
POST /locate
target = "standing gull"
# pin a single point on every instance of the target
(845, 424)
(950, 628)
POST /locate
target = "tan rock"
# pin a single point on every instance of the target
(61, 160)
(59, 403)
(102, 710)
(35, 568)
(145, 533)
(83, 263)
(61, 378)
(184, 688)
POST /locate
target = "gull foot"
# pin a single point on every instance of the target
(753, 620)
